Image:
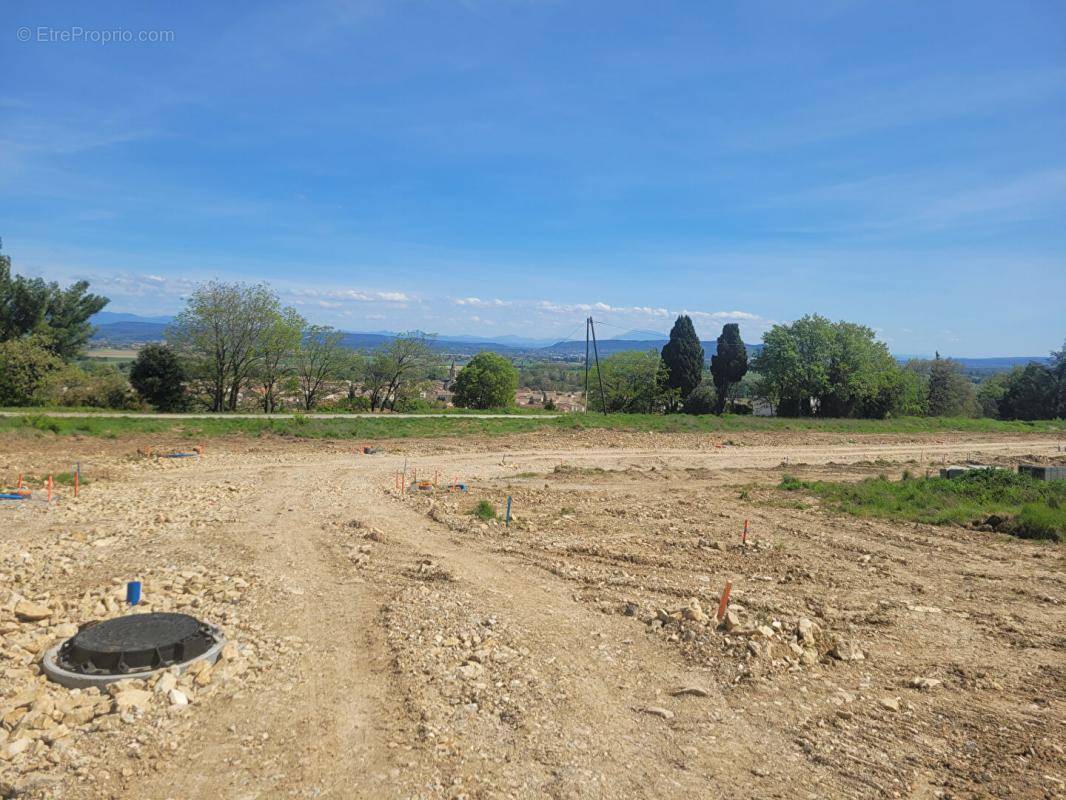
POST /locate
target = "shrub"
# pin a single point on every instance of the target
(703, 400)
(790, 483)
(484, 510)
(1037, 521)
(97, 387)
(25, 367)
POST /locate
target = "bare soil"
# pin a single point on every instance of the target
(389, 644)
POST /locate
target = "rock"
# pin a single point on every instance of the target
(166, 682)
(658, 711)
(132, 699)
(203, 677)
(630, 609)
(694, 691)
(31, 612)
(53, 735)
(471, 670)
(24, 699)
(693, 612)
(765, 631)
(178, 698)
(666, 617)
(925, 684)
(731, 620)
(889, 703)
(14, 748)
(807, 631)
(847, 650)
(66, 630)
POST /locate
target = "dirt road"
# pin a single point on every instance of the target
(394, 646)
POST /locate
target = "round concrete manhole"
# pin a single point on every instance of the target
(131, 647)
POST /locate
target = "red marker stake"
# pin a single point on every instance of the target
(723, 604)
(744, 538)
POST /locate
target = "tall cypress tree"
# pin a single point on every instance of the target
(729, 364)
(683, 357)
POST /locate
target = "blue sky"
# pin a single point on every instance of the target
(510, 167)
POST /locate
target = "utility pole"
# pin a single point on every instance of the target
(588, 320)
(599, 374)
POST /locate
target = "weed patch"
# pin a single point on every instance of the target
(997, 498)
(485, 510)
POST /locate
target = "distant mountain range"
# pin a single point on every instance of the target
(120, 330)
(110, 317)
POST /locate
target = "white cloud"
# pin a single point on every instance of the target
(604, 308)
(744, 315)
(644, 311)
(352, 295)
(477, 302)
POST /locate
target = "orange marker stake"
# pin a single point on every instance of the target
(744, 538)
(75, 484)
(20, 480)
(724, 602)
(49, 488)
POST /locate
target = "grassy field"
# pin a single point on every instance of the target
(1005, 500)
(385, 426)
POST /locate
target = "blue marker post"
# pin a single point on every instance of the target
(508, 511)
(133, 592)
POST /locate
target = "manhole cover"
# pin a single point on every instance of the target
(130, 647)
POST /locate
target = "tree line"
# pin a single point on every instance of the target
(814, 367)
(234, 345)
(44, 329)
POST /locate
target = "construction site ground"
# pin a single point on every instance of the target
(387, 643)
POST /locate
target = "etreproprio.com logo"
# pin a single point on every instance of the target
(79, 35)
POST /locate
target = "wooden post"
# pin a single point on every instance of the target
(49, 488)
(744, 537)
(723, 604)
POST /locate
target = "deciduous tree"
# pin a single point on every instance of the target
(487, 381)
(277, 354)
(221, 332)
(318, 360)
